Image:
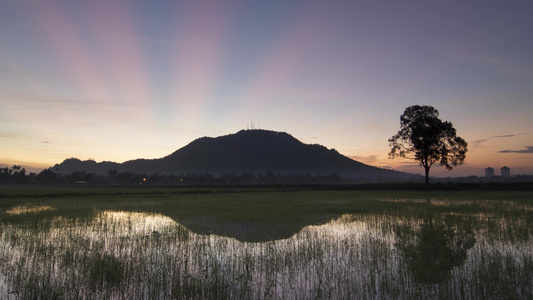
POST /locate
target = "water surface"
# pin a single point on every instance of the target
(394, 248)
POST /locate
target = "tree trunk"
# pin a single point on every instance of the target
(426, 168)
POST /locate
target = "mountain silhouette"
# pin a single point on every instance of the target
(254, 151)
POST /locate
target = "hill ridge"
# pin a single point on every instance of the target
(256, 151)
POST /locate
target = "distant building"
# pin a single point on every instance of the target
(506, 172)
(489, 172)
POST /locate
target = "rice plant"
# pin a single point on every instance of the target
(347, 246)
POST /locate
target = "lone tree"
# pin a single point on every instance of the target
(428, 140)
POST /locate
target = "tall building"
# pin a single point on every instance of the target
(506, 172)
(489, 172)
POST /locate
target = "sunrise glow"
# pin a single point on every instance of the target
(121, 80)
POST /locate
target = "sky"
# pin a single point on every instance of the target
(116, 80)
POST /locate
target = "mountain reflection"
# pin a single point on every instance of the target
(249, 231)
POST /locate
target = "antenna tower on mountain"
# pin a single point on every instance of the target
(252, 126)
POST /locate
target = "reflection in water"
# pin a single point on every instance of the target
(133, 224)
(135, 255)
(433, 251)
(251, 230)
(20, 210)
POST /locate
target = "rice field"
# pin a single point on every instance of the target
(266, 244)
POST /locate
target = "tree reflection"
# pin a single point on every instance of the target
(433, 251)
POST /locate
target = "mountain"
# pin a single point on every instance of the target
(255, 151)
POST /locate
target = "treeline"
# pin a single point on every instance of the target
(17, 175)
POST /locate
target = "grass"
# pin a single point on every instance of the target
(258, 243)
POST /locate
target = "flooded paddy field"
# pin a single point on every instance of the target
(265, 244)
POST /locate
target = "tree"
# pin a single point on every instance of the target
(13, 175)
(47, 176)
(428, 140)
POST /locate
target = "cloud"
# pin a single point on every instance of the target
(476, 143)
(529, 149)
(37, 100)
(12, 135)
(504, 136)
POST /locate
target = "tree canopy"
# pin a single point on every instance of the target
(427, 139)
